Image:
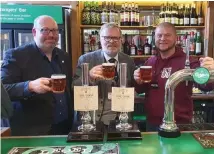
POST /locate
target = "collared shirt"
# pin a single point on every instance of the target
(107, 57)
(60, 101)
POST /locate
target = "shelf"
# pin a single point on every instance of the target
(147, 56)
(140, 27)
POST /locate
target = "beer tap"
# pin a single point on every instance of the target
(168, 128)
(187, 62)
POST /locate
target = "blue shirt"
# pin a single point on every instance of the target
(60, 101)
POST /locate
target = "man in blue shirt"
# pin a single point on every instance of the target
(26, 73)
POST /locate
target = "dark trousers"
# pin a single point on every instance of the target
(62, 128)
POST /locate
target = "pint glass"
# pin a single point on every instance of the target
(108, 71)
(146, 73)
(58, 83)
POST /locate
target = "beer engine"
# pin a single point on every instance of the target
(200, 75)
(123, 129)
(86, 131)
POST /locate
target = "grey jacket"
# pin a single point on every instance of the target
(96, 58)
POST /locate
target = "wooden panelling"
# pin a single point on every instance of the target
(210, 28)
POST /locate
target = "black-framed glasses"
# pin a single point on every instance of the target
(109, 38)
(46, 31)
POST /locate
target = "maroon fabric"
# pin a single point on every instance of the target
(154, 98)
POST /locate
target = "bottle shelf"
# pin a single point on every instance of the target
(147, 56)
(140, 27)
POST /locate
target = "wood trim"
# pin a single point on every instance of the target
(210, 28)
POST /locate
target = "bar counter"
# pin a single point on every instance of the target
(150, 144)
(195, 97)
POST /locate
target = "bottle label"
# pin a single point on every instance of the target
(111, 17)
(186, 21)
(86, 48)
(193, 21)
(200, 21)
(173, 20)
(126, 16)
(181, 21)
(198, 48)
(192, 48)
(167, 19)
(86, 18)
(132, 50)
(133, 16)
(121, 17)
(137, 18)
(147, 50)
(93, 18)
(104, 17)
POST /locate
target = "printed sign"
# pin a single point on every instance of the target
(27, 13)
(122, 99)
(201, 75)
(85, 98)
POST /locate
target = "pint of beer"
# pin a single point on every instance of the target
(108, 71)
(58, 83)
(146, 73)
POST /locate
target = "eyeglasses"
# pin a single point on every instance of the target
(109, 38)
(46, 31)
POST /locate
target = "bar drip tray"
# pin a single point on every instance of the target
(196, 127)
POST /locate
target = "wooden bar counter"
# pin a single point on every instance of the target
(150, 144)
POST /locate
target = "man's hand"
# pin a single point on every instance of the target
(40, 85)
(96, 73)
(137, 76)
(207, 62)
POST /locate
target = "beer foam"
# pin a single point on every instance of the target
(58, 76)
(145, 66)
(108, 64)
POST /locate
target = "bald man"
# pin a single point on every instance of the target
(26, 73)
(170, 58)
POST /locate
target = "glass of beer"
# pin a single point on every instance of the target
(108, 71)
(58, 83)
(146, 73)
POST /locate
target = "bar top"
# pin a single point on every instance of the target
(139, 99)
(150, 144)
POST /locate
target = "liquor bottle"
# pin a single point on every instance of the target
(129, 10)
(86, 14)
(86, 48)
(116, 14)
(186, 16)
(154, 50)
(139, 46)
(122, 10)
(133, 15)
(137, 17)
(98, 14)
(181, 15)
(126, 15)
(200, 16)
(193, 16)
(104, 14)
(93, 14)
(198, 49)
(126, 46)
(167, 14)
(111, 13)
(192, 44)
(133, 48)
(173, 15)
(147, 48)
(161, 14)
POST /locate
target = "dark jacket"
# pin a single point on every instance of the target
(21, 65)
(154, 97)
(6, 104)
